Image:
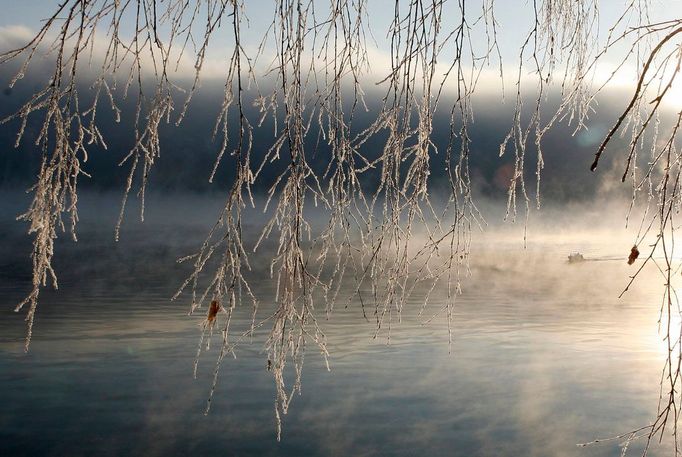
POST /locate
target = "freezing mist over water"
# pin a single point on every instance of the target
(544, 356)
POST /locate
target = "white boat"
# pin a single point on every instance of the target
(575, 257)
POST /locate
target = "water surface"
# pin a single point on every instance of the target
(544, 356)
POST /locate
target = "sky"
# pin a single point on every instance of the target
(514, 18)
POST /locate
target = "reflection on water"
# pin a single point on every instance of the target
(545, 356)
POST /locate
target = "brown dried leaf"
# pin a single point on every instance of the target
(213, 311)
(634, 253)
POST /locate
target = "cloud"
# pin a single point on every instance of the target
(181, 64)
(13, 36)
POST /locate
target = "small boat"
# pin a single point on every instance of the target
(576, 257)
